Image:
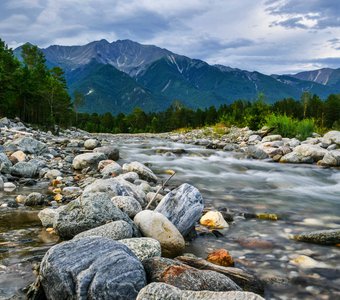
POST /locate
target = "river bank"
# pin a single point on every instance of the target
(66, 185)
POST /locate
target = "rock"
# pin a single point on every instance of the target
(110, 151)
(313, 151)
(52, 174)
(24, 169)
(48, 216)
(90, 144)
(295, 158)
(143, 248)
(331, 159)
(87, 212)
(221, 257)
(272, 138)
(159, 290)
(307, 262)
(103, 163)
(28, 145)
(127, 204)
(159, 269)
(1, 184)
(18, 156)
(322, 237)
(143, 171)
(9, 186)
(214, 219)
(34, 199)
(112, 169)
(5, 163)
(86, 160)
(256, 152)
(332, 137)
(129, 176)
(156, 225)
(116, 230)
(183, 207)
(91, 268)
(254, 138)
(72, 190)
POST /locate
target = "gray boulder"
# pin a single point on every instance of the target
(127, 204)
(47, 216)
(143, 171)
(85, 160)
(112, 169)
(110, 151)
(116, 230)
(184, 277)
(331, 159)
(323, 237)
(5, 163)
(183, 207)
(34, 199)
(24, 169)
(143, 248)
(28, 145)
(256, 152)
(332, 137)
(87, 212)
(159, 290)
(91, 268)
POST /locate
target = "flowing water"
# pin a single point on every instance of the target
(305, 197)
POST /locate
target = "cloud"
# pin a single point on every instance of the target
(312, 14)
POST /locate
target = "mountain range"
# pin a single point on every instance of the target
(116, 77)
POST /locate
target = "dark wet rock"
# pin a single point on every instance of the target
(34, 199)
(183, 207)
(24, 169)
(159, 269)
(87, 212)
(158, 291)
(323, 237)
(231, 147)
(28, 145)
(5, 163)
(91, 268)
(1, 184)
(143, 247)
(127, 204)
(87, 160)
(116, 230)
(143, 171)
(171, 150)
(110, 151)
(155, 225)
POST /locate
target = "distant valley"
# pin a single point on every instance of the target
(121, 75)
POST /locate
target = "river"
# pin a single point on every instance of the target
(305, 198)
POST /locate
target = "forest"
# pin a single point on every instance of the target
(39, 96)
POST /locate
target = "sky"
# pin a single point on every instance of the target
(269, 36)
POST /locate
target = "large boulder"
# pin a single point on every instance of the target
(90, 144)
(332, 137)
(87, 212)
(91, 268)
(27, 145)
(110, 151)
(159, 290)
(314, 152)
(86, 160)
(183, 207)
(24, 169)
(116, 230)
(143, 171)
(143, 247)
(156, 225)
(323, 237)
(331, 159)
(5, 163)
(160, 269)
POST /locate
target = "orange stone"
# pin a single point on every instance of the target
(221, 257)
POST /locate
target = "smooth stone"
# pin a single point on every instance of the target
(103, 163)
(28, 145)
(307, 262)
(72, 190)
(90, 144)
(254, 138)
(9, 186)
(48, 216)
(112, 169)
(110, 151)
(91, 268)
(313, 151)
(159, 290)
(127, 204)
(183, 207)
(24, 169)
(129, 176)
(182, 276)
(331, 159)
(87, 212)
(143, 247)
(322, 237)
(5, 163)
(1, 184)
(295, 158)
(272, 138)
(256, 152)
(86, 160)
(52, 174)
(156, 225)
(214, 219)
(116, 230)
(34, 199)
(332, 137)
(18, 156)
(143, 171)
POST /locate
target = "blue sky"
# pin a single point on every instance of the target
(270, 36)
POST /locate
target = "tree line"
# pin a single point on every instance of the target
(38, 95)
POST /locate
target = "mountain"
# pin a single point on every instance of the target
(121, 75)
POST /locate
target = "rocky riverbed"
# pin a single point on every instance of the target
(121, 233)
